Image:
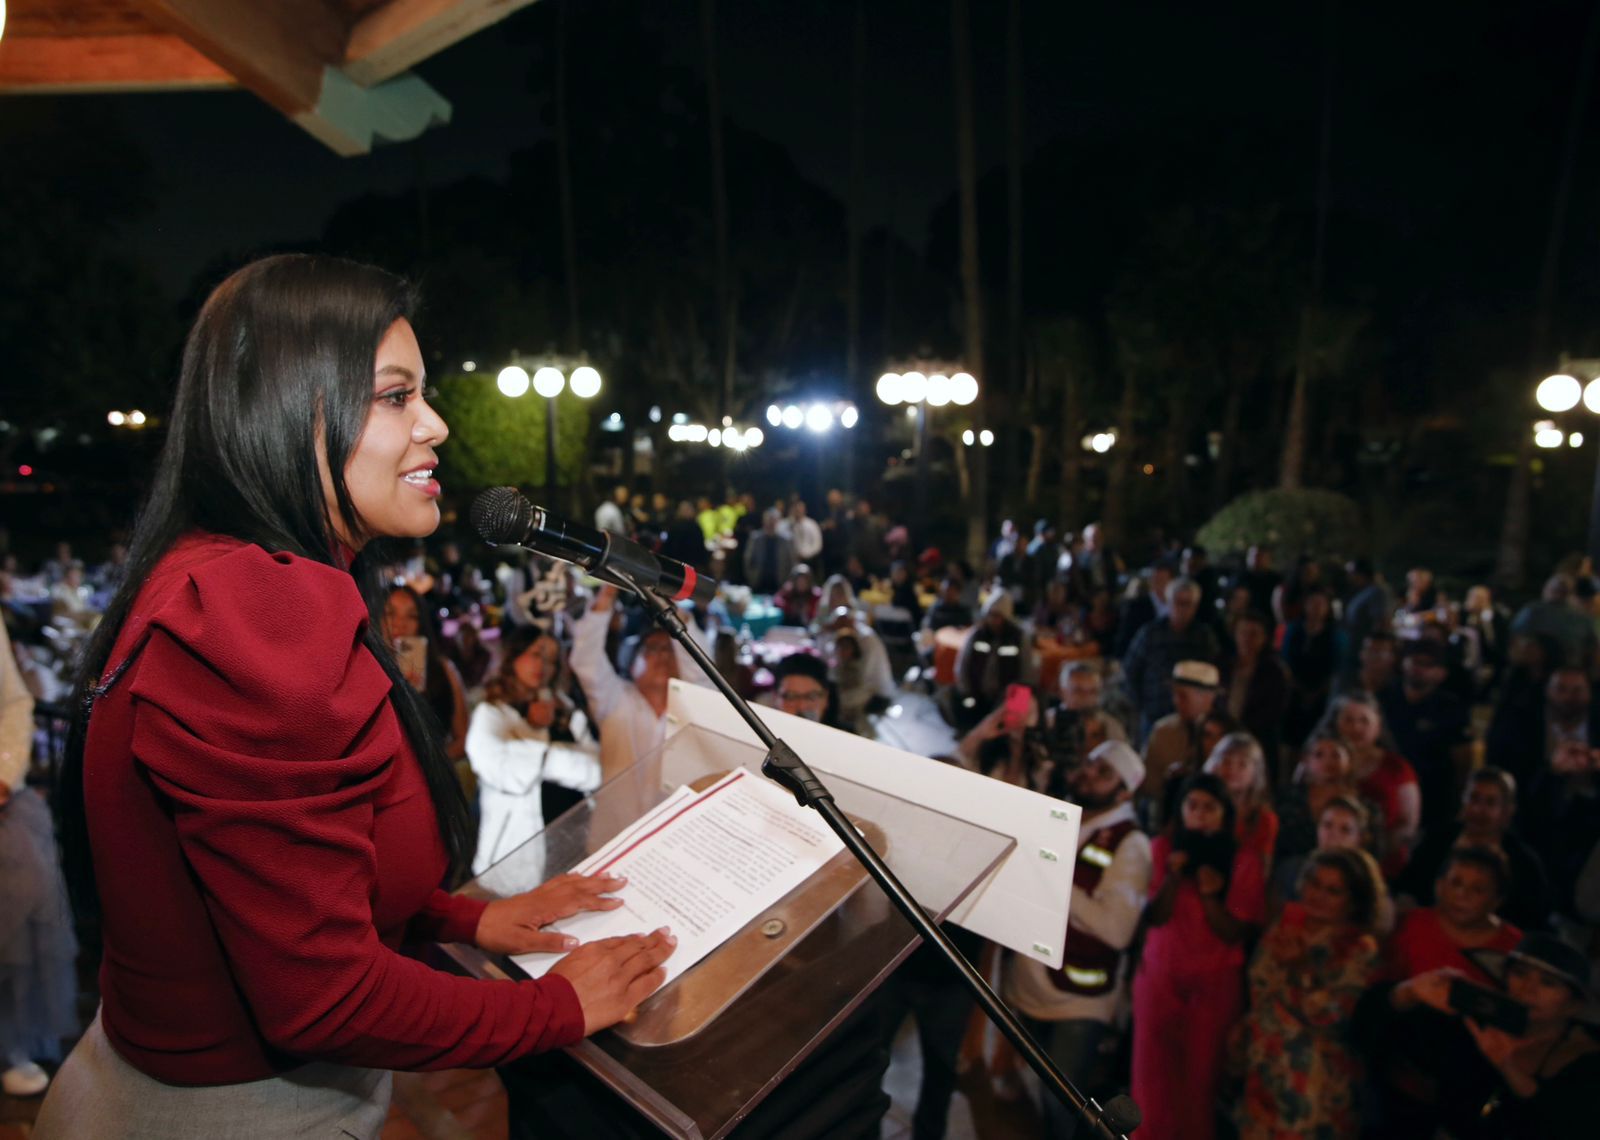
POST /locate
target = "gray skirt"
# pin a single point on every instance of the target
(99, 1096)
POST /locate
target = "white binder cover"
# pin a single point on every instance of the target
(1023, 903)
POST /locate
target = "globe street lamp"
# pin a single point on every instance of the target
(549, 380)
(1577, 381)
(918, 390)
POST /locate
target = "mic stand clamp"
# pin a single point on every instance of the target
(785, 767)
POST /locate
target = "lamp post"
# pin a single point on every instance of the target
(548, 381)
(1575, 382)
(918, 389)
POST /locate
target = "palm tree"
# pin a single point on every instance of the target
(971, 282)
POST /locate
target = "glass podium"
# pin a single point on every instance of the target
(706, 1049)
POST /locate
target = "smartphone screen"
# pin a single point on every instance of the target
(411, 653)
(1019, 699)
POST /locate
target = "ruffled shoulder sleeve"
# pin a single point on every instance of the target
(258, 657)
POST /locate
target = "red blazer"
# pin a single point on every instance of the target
(264, 842)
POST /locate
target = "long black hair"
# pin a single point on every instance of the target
(279, 363)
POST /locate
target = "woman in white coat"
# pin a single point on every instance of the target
(510, 745)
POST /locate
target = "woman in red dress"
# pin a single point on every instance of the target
(252, 797)
(1382, 774)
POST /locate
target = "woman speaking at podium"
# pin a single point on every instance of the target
(253, 798)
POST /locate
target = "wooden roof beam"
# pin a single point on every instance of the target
(401, 33)
(95, 64)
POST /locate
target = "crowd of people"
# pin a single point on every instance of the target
(1339, 863)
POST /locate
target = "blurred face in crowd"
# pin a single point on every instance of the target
(1212, 730)
(1080, 689)
(536, 664)
(1237, 769)
(1338, 827)
(1549, 999)
(1567, 695)
(1377, 654)
(400, 617)
(1191, 702)
(1479, 600)
(1358, 724)
(1327, 762)
(1423, 674)
(1183, 604)
(1095, 785)
(390, 470)
(1202, 813)
(1249, 638)
(1466, 895)
(1325, 895)
(1259, 558)
(838, 596)
(1194, 561)
(1091, 537)
(1317, 608)
(1485, 810)
(800, 695)
(1160, 581)
(655, 663)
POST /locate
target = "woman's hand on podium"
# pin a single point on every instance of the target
(514, 925)
(613, 975)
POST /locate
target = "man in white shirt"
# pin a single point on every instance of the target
(632, 711)
(1070, 1010)
(803, 532)
(609, 514)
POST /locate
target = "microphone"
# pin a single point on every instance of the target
(503, 516)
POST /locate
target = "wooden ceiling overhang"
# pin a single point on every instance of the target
(337, 68)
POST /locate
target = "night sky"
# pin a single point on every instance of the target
(232, 172)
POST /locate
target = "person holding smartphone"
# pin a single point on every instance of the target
(1546, 1073)
(1207, 901)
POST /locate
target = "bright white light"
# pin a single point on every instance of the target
(1575, 439)
(136, 417)
(733, 439)
(116, 419)
(819, 418)
(986, 437)
(849, 417)
(940, 390)
(680, 417)
(963, 388)
(793, 417)
(967, 437)
(755, 437)
(698, 433)
(675, 433)
(1102, 442)
(1591, 396)
(774, 415)
(889, 388)
(913, 387)
(714, 438)
(727, 421)
(655, 413)
(548, 381)
(512, 381)
(1558, 393)
(1549, 437)
(469, 366)
(585, 382)
(911, 412)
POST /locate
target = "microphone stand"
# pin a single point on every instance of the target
(1111, 1121)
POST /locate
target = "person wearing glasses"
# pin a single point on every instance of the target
(804, 690)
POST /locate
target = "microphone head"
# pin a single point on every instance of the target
(502, 515)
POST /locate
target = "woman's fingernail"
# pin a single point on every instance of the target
(569, 943)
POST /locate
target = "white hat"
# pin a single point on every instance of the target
(1123, 760)
(1201, 674)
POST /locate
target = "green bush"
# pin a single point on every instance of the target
(1292, 522)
